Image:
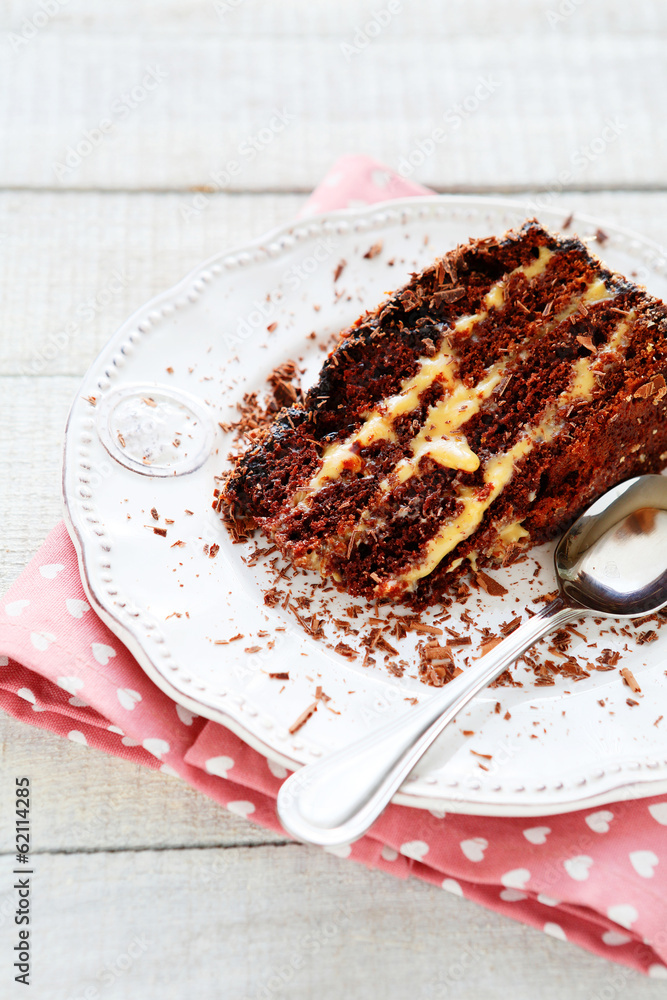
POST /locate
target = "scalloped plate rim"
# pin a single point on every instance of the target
(645, 787)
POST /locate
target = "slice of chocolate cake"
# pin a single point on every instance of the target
(474, 413)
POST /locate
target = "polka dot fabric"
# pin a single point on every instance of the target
(597, 878)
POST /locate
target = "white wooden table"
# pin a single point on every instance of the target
(145, 889)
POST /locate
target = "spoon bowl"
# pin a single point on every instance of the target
(611, 563)
(608, 562)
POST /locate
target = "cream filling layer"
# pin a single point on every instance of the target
(450, 449)
(500, 469)
(378, 424)
(441, 437)
(495, 297)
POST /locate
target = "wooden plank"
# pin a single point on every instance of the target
(86, 800)
(285, 921)
(513, 108)
(31, 434)
(294, 18)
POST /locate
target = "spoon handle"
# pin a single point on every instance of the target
(336, 799)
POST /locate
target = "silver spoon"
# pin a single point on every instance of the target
(612, 563)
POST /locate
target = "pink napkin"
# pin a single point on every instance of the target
(596, 877)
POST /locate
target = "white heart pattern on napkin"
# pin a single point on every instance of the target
(537, 834)
(219, 766)
(278, 771)
(659, 812)
(516, 879)
(27, 695)
(623, 914)
(77, 608)
(42, 640)
(547, 900)
(451, 885)
(474, 848)
(599, 821)
(416, 849)
(555, 930)
(15, 608)
(128, 698)
(156, 746)
(70, 684)
(644, 863)
(185, 715)
(241, 808)
(380, 178)
(512, 895)
(578, 868)
(340, 850)
(102, 653)
(50, 572)
(615, 938)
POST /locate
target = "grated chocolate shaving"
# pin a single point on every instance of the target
(374, 250)
(491, 586)
(630, 679)
(225, 642)
(303, 718)
(346, 651)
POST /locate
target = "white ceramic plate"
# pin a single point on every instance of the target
(193, 352)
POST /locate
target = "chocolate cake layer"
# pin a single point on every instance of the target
(475, 412)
